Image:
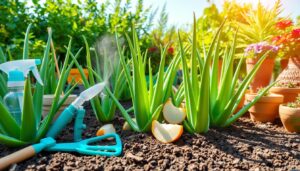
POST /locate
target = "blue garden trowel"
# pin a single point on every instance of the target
(79, 145)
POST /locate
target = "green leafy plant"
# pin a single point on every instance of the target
(90, 18)
(210, 102)
(111, 71)
(147, 99)
(33, 127)
(260, 24)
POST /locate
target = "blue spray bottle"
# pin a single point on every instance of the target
(17, 71)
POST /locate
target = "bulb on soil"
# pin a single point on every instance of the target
(106, 129)
(173, 114)
(126, 126)
(166, 133)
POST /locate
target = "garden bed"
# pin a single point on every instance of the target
(244, 145)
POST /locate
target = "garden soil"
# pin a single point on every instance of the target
(243, 146)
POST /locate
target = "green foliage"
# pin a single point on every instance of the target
(90, 18)
(32, 127)
(161, 36)
(260, 24)
(209, 101)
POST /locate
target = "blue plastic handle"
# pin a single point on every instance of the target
(79, 126)
(60, 123)
(84, 147)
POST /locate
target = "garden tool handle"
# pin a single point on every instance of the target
(65, 117)
(79, 126)
(17, 157)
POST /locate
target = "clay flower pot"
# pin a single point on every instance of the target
(289, 94)
(75, 74)
(265, 109)
(290, 118)
(263, 76)
(47, 103)
(289, 76)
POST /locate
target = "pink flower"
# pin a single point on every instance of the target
(261, 47)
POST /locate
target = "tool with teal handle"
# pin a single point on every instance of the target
(79, 145)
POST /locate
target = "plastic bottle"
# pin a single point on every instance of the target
(13, 100)
(17, 71)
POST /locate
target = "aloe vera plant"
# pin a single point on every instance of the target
(210, 102)
(147, 99)
(33, 127)
(110, 71)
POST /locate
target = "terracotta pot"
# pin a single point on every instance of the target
(290, 118)
(75, 74)
(263, 76)
(289, 94)
(290, 75)
(265, 109)
(284, 63)
(47, 103)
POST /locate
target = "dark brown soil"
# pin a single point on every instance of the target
(243, 146)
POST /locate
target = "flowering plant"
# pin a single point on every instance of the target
(259, 49)
(289, 42)
(284, 24)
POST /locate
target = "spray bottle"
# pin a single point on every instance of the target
(17, 71)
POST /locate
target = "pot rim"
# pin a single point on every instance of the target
(274, 98)
(283, 106)
(50, 96)
(279, 90)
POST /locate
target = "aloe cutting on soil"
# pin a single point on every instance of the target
(32, 127)
(209, 102)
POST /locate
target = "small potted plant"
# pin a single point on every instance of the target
(264, 74)
(265, 109)
(289, 79)
(290, 115)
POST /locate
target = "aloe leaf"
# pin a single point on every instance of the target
(158, 96)
(10, 141)
(8, 123)
(124, 113)
(26, 40)
(2, 56)
(28, 126)
(194, 63)
(39, 90)
(155, 116)
(61, 83)
(190, 103)
(240, 92)
(141, 102)
(188, 127)
(247, 107)
(65, 97)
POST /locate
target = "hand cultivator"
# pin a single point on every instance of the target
(80, 146)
